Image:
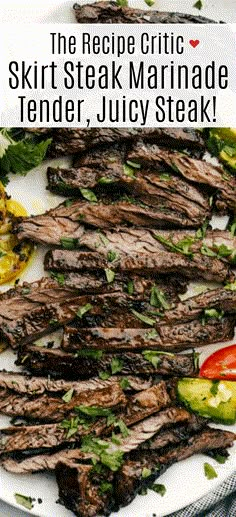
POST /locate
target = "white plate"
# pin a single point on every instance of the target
(185, 482)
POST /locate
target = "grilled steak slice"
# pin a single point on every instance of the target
(170, 338)
(110, 12)
(55, 409)
(150, 191)
(86, 364)
(29, 311)
(172, 435)
(198, 171)
(19, 464)
(96, 282)
(77, 140)
(148, 263)
(28, 385)
(40, 462)
(222, 299)
(129, 479)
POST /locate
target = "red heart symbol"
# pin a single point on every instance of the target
(194, 42)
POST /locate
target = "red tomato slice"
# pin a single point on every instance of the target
(220, 365)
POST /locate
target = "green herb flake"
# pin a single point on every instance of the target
(24, 500)
(112, 255)
(104, 375)
(146, 473)
(122, 427)
(134, 164)
(115, 440)
(103, 239)
(142, 317)
(130, 287)
(231, 287)
(105, 181)
(68, 202)
(233, 228)
(165, 177)
(110, 275)
(158, 488)
(212, 313)
(158, 299)
(153, 334)
(69, 243)
(124, 384)
(22, 156)
(183, 246)
(93, 411)
(129, 171)
(70, 425)
(209, 471)
(68, 395)
(143, 491)
(112, 460)
(224, 251)
(116, 365)
(214, 387)
(122, 3)
(88, 194)
(82, 310)
(93, 354)
(207, 251)
(59, 277)
(105, 487)
(153, 356)
(198, 5)
(220, 458)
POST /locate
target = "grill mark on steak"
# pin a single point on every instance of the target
(169, 338)
(57, 363)
(221, 299)
(110, 12)
(78, 140)
(198, 171)
(54, 409)
(129, 479)
(187, 205)
(19, 464)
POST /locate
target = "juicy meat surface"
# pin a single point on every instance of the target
(110, 12)
(57, 363)
(77, 140)
(196, 171)
(165, 337)
(55, 409)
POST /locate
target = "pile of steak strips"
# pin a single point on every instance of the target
(101, 409)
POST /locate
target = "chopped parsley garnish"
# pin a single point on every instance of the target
(94, 354)
(214, 387)
(233, 228)
(158, 488)
(112, 255)
(153, 334)
(104, 375)
(129, 171)
(153, 356)
(71, 426)
(209, 471)
(68, 395)
(103, 239)
(142, 317)
(19, 156)
(105, 487)
(122, 427)
(88, 194)
(24, 500)
(59, 277)
(220, 458)
(165, 177)
(110, 275)
(69, 243)
(201, 232)
(231, 287)
(105, 181)
(124, 383)
(183, 246)
(116, 365)
(198, 5)
(122, 3)
(93, 411)
(158, 299)
(212, 313)
(82, 310)
(146, 473)
(134, 164)
(130, 287)
(112, 460)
